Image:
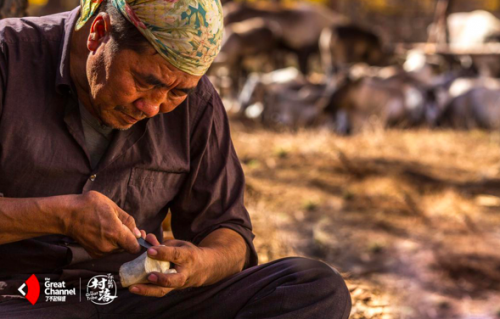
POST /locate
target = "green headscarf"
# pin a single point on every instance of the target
(187, 33)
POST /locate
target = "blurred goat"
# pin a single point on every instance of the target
(369, 101)
(282, 98)
(475, 103)
(346, 44)
(301, 25)
(251, 38)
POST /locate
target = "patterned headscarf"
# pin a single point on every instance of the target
(187, 33)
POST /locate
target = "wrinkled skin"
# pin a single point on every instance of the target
(122, 87)
(119, 88)
(196, 266)
(108, 227)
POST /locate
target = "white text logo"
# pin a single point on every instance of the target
(101, 289)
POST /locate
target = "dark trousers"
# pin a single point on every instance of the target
(286, 288)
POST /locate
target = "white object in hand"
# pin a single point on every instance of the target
(136, 271)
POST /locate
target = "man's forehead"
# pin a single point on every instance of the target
(153, 80)
(158, 69)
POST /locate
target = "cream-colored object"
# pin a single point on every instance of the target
(136, 271)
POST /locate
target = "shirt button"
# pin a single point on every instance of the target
(93, 177)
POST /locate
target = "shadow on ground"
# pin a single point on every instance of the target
(410, 218)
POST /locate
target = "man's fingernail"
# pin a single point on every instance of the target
(134, 289)
(137, 232)
(153, 278)
(152, 251)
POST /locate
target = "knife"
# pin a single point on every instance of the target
(144, 243)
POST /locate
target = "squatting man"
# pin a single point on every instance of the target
(107, 122)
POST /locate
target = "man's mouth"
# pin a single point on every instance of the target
(129, 119)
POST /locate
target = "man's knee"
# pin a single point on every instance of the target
(321, 280)
(311, 269)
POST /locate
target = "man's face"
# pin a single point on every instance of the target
(127, 86)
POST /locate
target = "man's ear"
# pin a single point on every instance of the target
(99, 31)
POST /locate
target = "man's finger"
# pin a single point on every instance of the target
(174, 242)
(168, 280)
(149, 290)
(177, 255)
(151, 238)
(95, 254)
(127, 241)
(128, 221)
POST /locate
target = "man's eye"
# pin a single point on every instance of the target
(177, 93)
(143, 86)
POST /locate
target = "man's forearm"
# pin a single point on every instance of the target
(227, 254)
(23, 218)
(91, 219)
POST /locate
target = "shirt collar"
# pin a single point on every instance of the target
(94, 122)
(63, 78)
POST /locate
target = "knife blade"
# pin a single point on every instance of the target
(143, 243)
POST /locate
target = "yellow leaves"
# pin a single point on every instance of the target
(38, 2)
(491, 5)
(378, 5)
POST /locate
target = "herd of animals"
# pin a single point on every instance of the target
(365, 82)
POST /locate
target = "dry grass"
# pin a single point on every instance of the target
(410, 217)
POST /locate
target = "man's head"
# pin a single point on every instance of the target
(130, 78)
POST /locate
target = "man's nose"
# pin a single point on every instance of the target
(150, 105)
(147, 107)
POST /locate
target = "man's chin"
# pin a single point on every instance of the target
(116, 124)
(121, 127)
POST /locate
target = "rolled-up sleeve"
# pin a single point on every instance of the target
(212, 195)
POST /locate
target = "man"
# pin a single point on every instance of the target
(106, 123)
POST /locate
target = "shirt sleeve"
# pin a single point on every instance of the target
(3, 72)
(212, 195)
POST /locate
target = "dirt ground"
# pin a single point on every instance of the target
(410, 218)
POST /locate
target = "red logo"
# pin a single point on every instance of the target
(33, 289)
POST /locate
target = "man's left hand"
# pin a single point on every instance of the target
(190, 263)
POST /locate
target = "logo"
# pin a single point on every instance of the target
(33, 289)
(56, 291)
(101, 289)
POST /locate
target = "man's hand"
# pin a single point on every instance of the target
(189, 262)
(221, 254)
(100, 226)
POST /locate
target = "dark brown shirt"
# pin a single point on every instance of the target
(183, 161)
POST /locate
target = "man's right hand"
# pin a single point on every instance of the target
(100, 226)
